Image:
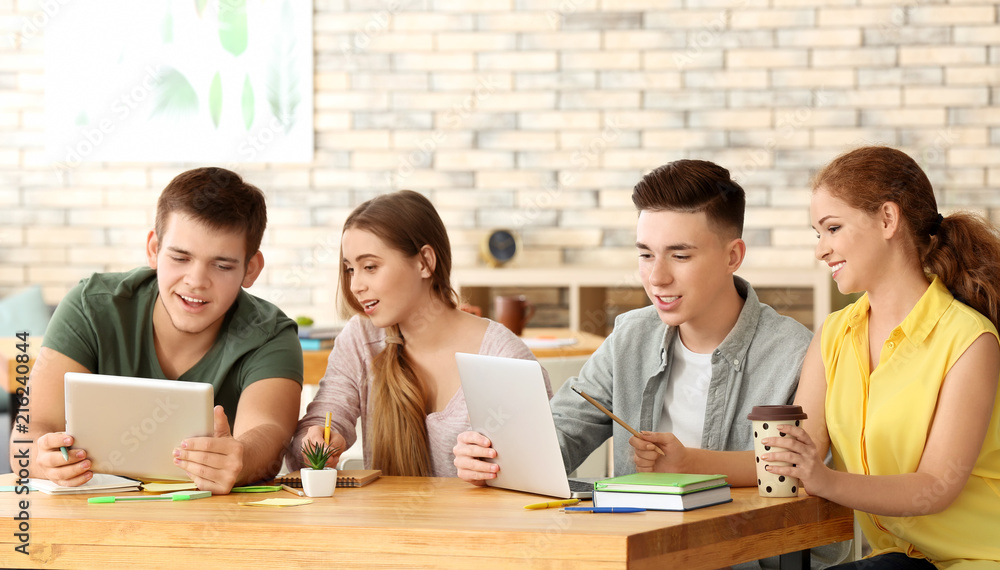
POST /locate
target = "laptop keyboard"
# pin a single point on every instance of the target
(578, 486)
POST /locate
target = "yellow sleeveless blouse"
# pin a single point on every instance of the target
(878, 425)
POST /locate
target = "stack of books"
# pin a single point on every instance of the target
(662, 491)
(319, 338)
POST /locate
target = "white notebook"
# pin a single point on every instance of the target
(100, 483)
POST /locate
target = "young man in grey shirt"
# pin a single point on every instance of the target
(687, 370)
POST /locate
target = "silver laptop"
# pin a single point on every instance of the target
(130, 426)
(508, 403)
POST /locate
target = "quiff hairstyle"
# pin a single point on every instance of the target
(218, 198)
(693, 186)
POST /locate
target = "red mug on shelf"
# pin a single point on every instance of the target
(514, 312)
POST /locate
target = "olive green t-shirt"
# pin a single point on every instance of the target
(105, 323)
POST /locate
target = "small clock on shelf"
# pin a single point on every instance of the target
(499, 247)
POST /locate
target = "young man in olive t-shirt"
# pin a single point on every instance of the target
(185, 318)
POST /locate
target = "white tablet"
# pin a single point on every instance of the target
(130, 426)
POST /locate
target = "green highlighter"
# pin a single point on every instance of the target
(177, 496)
(256, 489)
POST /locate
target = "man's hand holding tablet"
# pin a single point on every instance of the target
(213, 463)
(70, 472)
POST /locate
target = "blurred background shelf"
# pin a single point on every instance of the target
(588, 299)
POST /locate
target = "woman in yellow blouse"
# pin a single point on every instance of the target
(902, 384)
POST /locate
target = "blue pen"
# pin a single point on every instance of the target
(603, 510)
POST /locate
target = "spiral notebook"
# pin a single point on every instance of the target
(345, 478)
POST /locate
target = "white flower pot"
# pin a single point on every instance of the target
(320, 483)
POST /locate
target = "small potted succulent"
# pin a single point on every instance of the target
(318, 480)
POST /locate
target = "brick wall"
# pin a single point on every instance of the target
(541, 115)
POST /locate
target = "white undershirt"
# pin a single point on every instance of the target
(686, 395)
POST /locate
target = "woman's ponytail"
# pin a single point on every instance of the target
(965, 254)
(399, 438)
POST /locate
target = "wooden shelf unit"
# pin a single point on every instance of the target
(588, 287)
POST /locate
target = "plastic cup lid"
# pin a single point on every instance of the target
(776, 413)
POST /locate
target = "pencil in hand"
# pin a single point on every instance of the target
(616, 418)
(326, 429)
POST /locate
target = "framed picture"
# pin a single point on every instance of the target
(191, 81)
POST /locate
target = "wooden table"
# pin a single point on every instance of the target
(411, 522)
(314, 361)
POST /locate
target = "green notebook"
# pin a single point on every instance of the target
(665, 483)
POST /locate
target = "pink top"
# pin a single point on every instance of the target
(345, 386)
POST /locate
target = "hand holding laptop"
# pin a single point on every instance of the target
(471, 447)
(509, 406)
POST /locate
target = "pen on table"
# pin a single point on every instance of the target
(326, 429)
(178, 496)
(550, 504)
(603, 510)
(293, 491)
(616, 418)
(255, 489)
(65, 453)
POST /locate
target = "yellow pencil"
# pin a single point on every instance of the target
(617, 419)
(326, 429)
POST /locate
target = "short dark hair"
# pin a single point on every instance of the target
(218, 198)
(693, 186)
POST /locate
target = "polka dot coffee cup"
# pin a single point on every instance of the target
(765, 424)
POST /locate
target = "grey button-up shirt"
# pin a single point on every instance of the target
(757, 363)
